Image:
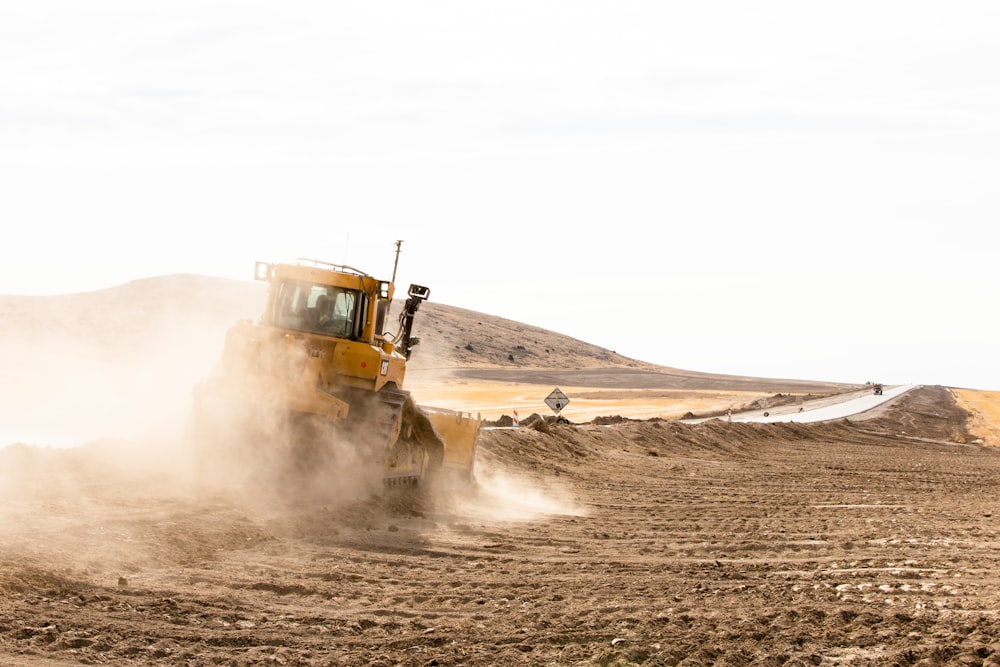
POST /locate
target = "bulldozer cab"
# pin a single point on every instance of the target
(337, 301)
(317, 308)
(327, 299)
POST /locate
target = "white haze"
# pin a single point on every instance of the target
(772, 189)
(61, 390)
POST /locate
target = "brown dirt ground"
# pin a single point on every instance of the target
(640, 542)
(610, 541)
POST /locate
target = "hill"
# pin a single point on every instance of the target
(472, 344)
(132, 353)
(122, 361)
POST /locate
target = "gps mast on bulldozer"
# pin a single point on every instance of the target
(319, 374)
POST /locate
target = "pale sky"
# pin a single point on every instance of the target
(777, 189)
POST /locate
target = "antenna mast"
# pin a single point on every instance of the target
(396, 263)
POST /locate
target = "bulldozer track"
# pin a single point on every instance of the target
(382, 424)
(389, 422)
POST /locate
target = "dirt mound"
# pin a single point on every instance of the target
(926, 412)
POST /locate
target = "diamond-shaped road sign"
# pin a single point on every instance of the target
(556, 400)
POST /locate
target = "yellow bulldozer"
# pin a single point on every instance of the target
(319, 375)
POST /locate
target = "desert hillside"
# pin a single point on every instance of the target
(133, 352)
(128, 316)
(130, 355)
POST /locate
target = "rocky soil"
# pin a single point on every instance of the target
(636, 542)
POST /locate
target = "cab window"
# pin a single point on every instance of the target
(324, 309)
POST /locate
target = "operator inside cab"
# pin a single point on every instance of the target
(336, 311)
(323, 312)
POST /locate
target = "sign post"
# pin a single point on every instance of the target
(556, 402)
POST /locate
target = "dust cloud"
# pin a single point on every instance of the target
(502, 495)
(262, 459)
(61, 390)
(103, 468)
(95, 417)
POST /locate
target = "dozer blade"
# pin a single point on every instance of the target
(458, 431)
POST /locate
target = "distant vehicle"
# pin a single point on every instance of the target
(877, 390)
